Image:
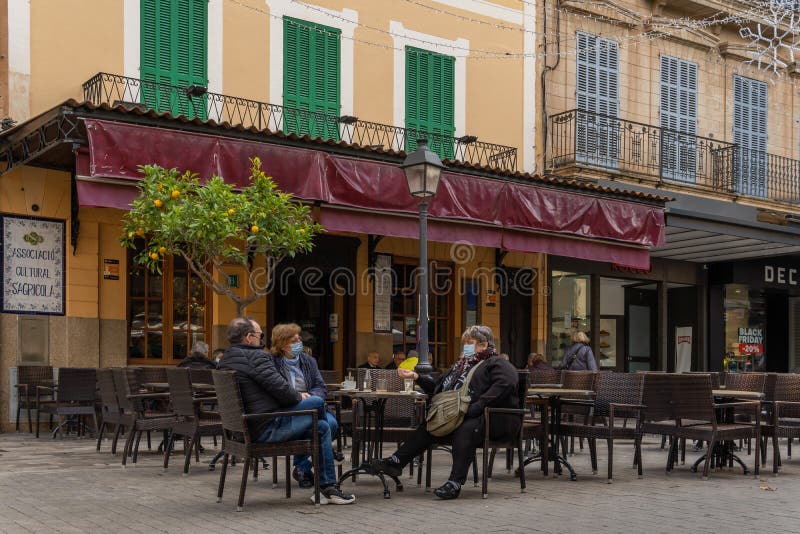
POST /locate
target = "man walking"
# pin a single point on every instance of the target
(265, 389)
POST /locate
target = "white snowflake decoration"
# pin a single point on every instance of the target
(776, 36)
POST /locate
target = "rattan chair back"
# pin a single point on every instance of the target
(330, 376)
(123, 387)
(787, 388)
(108, 392)
(716, 379)
(692, 397)
(746, 381)
(153, 374)
(77, 385)
(618, 388)
(579, 379)
(657, 396)
(180, 391)
(545, 376)
(231, 406)
(35, 375)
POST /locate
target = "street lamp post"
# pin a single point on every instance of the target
(423, 168)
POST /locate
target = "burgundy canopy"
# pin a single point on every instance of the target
(366, 196)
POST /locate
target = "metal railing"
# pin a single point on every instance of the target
(651, 153)
(194, 102)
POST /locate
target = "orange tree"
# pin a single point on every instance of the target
(212, 224)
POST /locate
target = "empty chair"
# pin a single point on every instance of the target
(110, 412)
(32, 381)
(74, 397)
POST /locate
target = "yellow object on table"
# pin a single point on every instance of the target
(409, 363)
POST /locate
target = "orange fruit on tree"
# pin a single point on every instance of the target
(131, 234)
(231, 211)
(157, 202)
(140, 232)
(254, 229)
(162, 250)
(176, 193)
(154, 255)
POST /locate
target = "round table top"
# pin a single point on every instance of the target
(737, 394)
(560, 392)
(376, 394)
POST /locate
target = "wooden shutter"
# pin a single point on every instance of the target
(311, 78)
(597, 95)
(174, 50)
(430, 100)
(750, 134)
(678, 119)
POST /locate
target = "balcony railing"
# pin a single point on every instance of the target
(651, 153)
(194, 102)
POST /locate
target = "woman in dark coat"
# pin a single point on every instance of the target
(493, 384)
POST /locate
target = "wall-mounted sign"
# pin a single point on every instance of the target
(785, 276)
(32, 265)
(110, 269)
(232, 280)
(491, 298)
(751, 341)
(382, 294)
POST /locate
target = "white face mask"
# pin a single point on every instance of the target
(468, 350)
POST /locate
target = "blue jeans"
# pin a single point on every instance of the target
(289, 428)
(303, 461)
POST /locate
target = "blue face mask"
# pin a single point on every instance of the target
(297, 349)
(469, 350)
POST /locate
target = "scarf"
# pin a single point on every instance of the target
(293, 364)
(457, 374)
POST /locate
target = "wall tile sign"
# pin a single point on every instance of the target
(382, 295)
(32, 265)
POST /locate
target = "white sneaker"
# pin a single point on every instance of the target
(333, 495)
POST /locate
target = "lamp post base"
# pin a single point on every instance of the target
(423, 368)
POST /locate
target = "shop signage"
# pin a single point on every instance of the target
(382, 294)
(683, 349)
(110, 269)
(616, 267)
(751, 341)
(781, 275)
(32, 265)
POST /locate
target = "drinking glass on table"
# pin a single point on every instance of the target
(408, 385)
(381, 384)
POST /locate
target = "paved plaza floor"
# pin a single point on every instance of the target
(65, 486)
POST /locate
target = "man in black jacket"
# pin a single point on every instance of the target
(265, 389)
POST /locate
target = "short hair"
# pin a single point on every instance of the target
(239, 328)
(535, 357)
(580, 337)
(281, 335)
(480, 333)
(201, 347)
(399, 353)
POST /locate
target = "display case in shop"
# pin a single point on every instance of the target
(610, 343)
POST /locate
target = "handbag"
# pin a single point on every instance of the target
(448, 408)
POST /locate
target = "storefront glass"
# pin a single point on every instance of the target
(571, 310)
(745, 326)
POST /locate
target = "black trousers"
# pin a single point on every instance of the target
(463, 442)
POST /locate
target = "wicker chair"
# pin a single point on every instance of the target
(545, 376)
(784, 417)
(134, 404)
(716, 377)
(619, 395)
(576, 380)
(153, 374)
(237, 441)
(194, 422)
(30, 379)
(110, 411)
(74, 397)
(330, 376)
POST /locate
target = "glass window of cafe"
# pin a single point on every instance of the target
(570, 308)
(745, 314)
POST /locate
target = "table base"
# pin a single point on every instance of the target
(366, 468)
(724, 453)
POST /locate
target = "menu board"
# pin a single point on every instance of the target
(32, 265)
(382, 293)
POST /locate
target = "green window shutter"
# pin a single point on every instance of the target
(311, 78)
(430, 100)
(174, 52)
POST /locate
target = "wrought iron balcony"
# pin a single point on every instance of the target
(195, 101)
(650, 153)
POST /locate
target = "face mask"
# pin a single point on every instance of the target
(297, 348)
(469, 350)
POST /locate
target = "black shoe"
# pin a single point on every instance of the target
(304, 478)
(387, 466)
(448, 491)
(333, 495)
(338, 458)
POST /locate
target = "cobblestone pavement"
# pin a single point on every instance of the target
(65, 486)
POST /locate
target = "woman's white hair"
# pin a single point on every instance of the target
(480, 333)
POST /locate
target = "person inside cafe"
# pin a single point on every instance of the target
(373, 361)
(397, 359)
(303, 373)
(217, 355)
(266, 388)
(493, 384)
(579, 355)
(537, 362)
(198, 358)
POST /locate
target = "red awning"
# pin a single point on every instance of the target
(367, 196)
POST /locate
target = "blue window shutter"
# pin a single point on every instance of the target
(597, 95)
(750, 135)
(678, 119)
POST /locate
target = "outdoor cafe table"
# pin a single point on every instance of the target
(555, 394)
(164, 386)
(725, 452)
(374, 403)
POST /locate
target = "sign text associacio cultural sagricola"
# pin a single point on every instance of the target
(32, 265)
